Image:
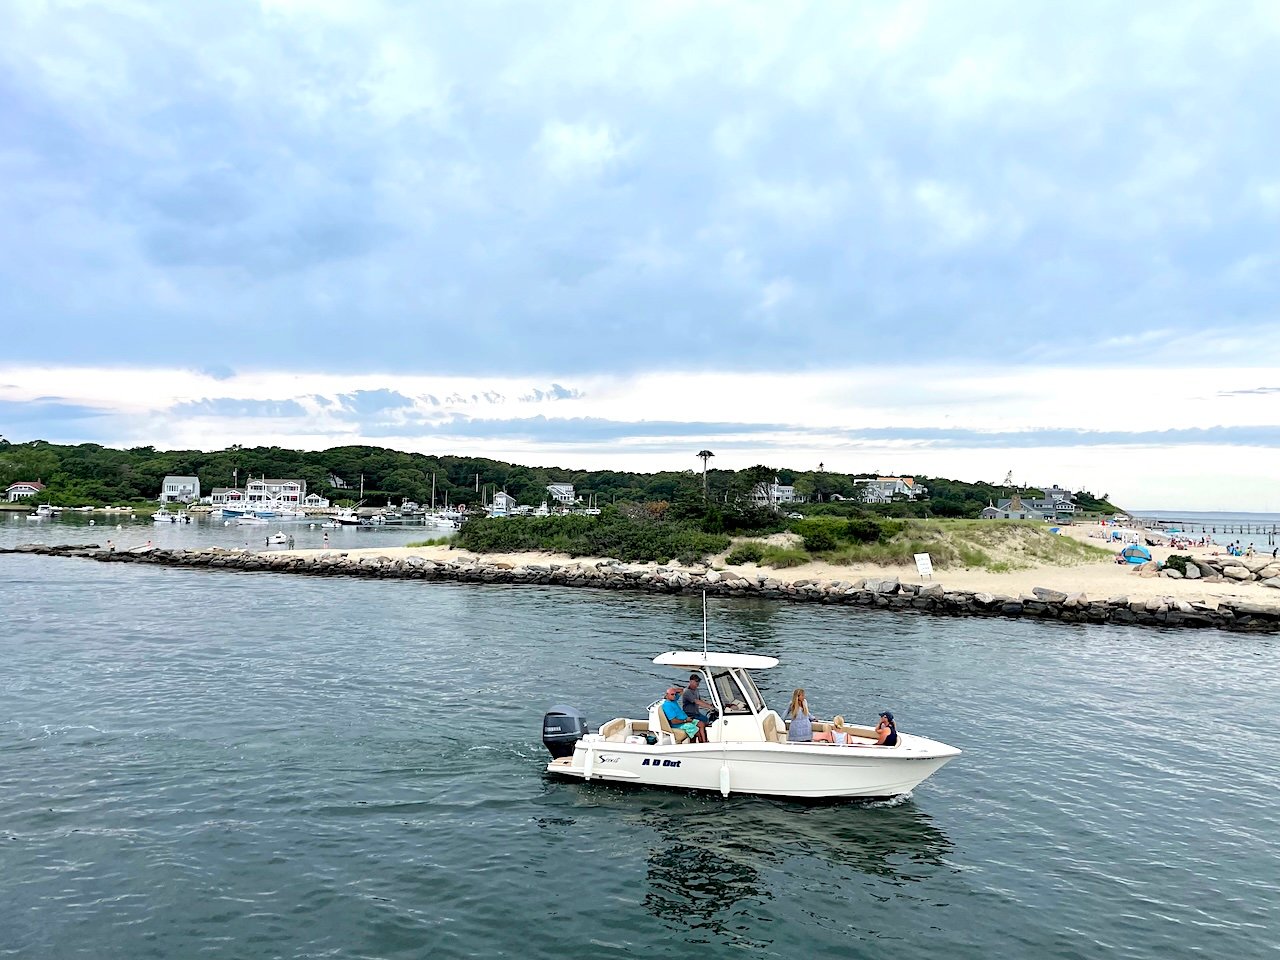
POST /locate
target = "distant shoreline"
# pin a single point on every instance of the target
(1104, 592)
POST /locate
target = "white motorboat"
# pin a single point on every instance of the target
(248, 521)
(278, 539)
(165, 516)
(747, 749)
(346, 517)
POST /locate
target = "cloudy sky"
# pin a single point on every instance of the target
(957, 239)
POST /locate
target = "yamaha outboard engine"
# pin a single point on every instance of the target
(562, 727)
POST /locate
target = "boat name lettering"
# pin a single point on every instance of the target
(647, 762)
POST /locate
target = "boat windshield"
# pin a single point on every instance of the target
(732, 700)
(749, 685)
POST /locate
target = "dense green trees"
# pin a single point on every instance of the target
(89, 473)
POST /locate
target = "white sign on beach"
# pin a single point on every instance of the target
(924, 563)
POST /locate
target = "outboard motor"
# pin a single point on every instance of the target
(562, 728)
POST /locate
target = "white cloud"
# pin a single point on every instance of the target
(575, 151)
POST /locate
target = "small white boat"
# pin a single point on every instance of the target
(247, 521)
(747, 749)
(278, 539)
(165, 516)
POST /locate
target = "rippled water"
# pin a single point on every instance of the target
(204, 531)
(195, 762)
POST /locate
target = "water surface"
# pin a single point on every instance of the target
(203, 762)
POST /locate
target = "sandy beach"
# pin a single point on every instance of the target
(1097, 581)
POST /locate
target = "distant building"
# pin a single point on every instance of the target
(222, 496)
(884, 489)
(1056, 503)
(314, 501)
(275, 491)
(337, 482)
(180, 490)
(502, 505)
(562, 493)
(23, 488)
(772, 494)
(1011, 509)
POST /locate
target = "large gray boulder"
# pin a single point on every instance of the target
(1048, 596)
(1237, 572)
(1193, 572)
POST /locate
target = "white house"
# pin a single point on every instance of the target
(772, 494)
(562, 493)
(503, 504)
(263, 490)
(314, 501)
(23, 488)
(884, 489)
(221, 496)
(180, 490)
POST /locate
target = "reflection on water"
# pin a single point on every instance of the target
(711, 862)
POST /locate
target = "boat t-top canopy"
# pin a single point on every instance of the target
(690, 659)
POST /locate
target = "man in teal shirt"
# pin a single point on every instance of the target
(679, 720)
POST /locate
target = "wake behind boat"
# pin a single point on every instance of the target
(747, 749)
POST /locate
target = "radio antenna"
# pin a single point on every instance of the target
(704, 627)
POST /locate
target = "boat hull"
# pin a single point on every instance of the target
(802, 771)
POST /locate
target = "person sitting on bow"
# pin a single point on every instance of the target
(694, 707)
(679, 720)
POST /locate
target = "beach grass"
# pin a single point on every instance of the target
(998, 546)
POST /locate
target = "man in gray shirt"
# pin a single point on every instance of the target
(699, 709)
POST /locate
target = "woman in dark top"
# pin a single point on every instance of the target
(887, 730)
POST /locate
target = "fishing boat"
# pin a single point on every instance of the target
(166, 516)
(746, 750)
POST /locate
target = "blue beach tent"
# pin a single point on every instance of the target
(1135, 554)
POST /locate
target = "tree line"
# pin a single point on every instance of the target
(89, 473)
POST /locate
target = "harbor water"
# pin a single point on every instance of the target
(251, 765)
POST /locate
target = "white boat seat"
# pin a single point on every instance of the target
(615, 729)
(677, 736)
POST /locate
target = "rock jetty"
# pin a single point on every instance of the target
(1261, 569)
(873, 594)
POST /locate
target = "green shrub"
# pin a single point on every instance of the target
(782, 557)
(1178, 562)
(749, 552)
(819, 541)
(862, 530)
(609, 535)
(890, 529)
